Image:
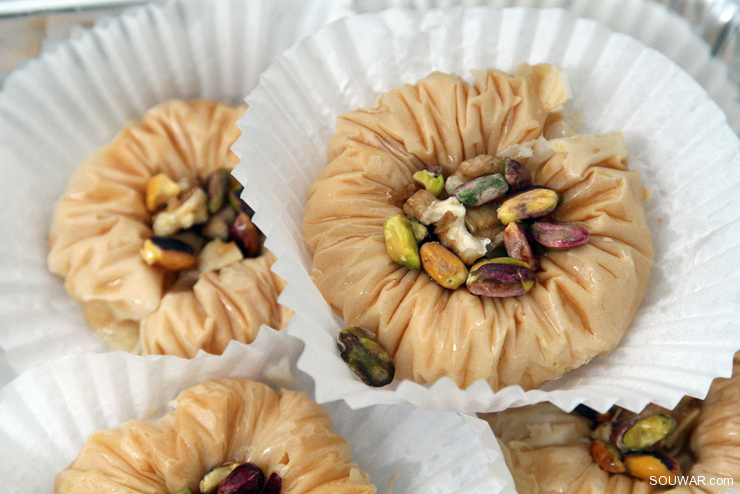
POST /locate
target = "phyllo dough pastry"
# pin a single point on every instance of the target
(127, 233)
(548, 450)
(215, 424)
(426, 155)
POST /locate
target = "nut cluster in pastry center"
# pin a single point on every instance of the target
(237, 478)
(642, 445)
(491, 203)
(198, 227)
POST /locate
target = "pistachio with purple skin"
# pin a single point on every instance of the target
(274, 484)
(245, 234)
(500, 280)
(432, 179)
(528, 203)
(559, 236)
(363, 354)
(213, 477)
(482, 190)
(516, 175)
(519, 245)
(247, 478)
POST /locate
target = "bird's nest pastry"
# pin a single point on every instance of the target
(144, 237)
(548, 450)
(283, 440)
(481, 144)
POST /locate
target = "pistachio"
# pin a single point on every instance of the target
(559, 236)
(421, 232)
(274, 484)
(218, 254)
(160, 189)
(247, 478)
(432, 179)
(182, 214)
(400, 241)
(652, 464)
(528, 203)
(245, 234)
(516, 175)
(213, 477)
(217, 225)
(168, 253)
(645, 432)
(185, 490)
(500, 280)
(363, 354)
(483, 164)
(442, 265)
(482, 190)
(607, 456)
(218, 186)
(500, 260)
(519, 245)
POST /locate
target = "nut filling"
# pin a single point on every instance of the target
(203, 228)
(236, 478)
(451, 254)
(643, 445)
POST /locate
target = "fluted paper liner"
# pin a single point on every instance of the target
(47, 413)
(63, 106)
(651, 23)
(686, 331)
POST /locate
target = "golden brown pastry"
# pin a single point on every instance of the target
(584, 298)
(547, 450)
(219, 421)
(102, 221)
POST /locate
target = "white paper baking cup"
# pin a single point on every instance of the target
(67, 103)
(647, 21)
(47, 413)
(687, 329)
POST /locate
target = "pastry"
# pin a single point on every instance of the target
(152, 179)
(579, 302)
(548, 450)
(285, 434)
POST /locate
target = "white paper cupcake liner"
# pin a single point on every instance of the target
(647, 21)
(686, 331)
(67, 103)
(47, 413)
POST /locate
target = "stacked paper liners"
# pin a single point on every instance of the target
(48, 412)
(68, 103)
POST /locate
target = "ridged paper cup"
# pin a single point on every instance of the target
(47, 413)
(64, 105)
(649, 22)
(687, 329)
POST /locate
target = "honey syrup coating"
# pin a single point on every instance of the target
(547, 450)
(213, 423)
(102, 221)
(584, 299)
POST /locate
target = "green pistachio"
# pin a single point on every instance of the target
(432, 179)
(363, 354)
(400, 241)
